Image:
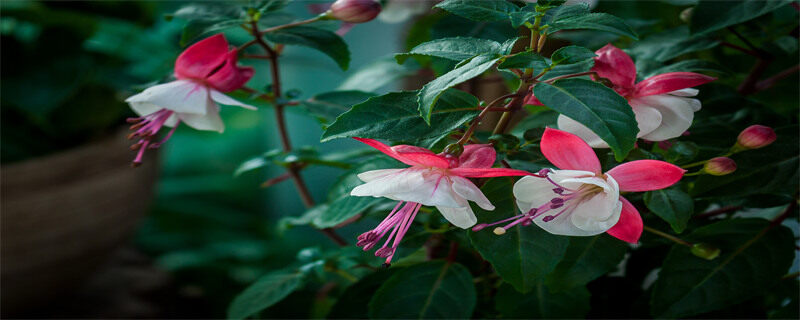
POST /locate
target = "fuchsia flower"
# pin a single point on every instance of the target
(438, 180)
(581, 200)
(204, 70)
(661, 103)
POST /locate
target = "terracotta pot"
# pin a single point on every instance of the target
(62, 215)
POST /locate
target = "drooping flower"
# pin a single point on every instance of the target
(662, 103)
(204, 71)
(581, 200)
(438, 180)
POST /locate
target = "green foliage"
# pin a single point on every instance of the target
(753, 259)
(394, 116)
(710, 16)
(265, 292)
(576, 18)
(434, 289)
(597, 107)
(672, 205)
(486, 10)
(523, 256)
(431, 93)
(328, 106)
(541, 303)
(323, 40)
(586, 259)
(457, 49)
(204, 19)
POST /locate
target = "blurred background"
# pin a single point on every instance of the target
(85, 235)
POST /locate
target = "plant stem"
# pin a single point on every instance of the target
(293, 170)
(553, 79)
(257, 39)
(717, 212)
(468, 134)
(668, 236)
(771, 81)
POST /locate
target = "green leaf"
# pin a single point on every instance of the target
(524, 255)
(710, 16)
(519, 18)
(524, 60)
(541, 303)
(378, 74)
(751, 262)
(482, 10)
(394, 116)
(353, 302)
(434, 289)
(772, 169)
(586, 259)
(597, 107)
(672, 205)
(271, 5)
(430, 93)
(457, 49)
(344, 208)
(594, 21)
(570, 55)
(670, 44)
(203, 19)
(327, 106)
(323, 40)
(265, 292)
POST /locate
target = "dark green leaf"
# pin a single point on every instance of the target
(206, 18)
(519, 18)
(457, 49)
(672, 205)
(710, 16)
(670, 44)
(327, 106)
(434, 289)
(272, 5)
(593, 21)
(565, 69)
(524, 255)
(430, 93)
(542, 304)
(353, 302)
(586, 259)
(344, 208)
(751, 262)
(597, 107)
(265, 292)
(323, 40)
(523, 60)
(482, 10)
(570, 55)
(394, 116)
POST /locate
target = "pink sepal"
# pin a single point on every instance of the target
(629, 227)
(230, 77)
(568, 152)
(645, 175)
(410, 155)
(614, 64)
(668, 82)
(199, 60)
(477, 156)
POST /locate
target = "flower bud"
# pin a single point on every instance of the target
(705, 251)
(686, 15)
(720, 166)
(355, 11)
(454, 149)
(755, 136)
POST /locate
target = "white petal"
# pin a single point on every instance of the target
(467, 190)
(210, 121)
(687, 92)
(228, 101)
(597, 214)
(532, 192)
(567, 124)
(461, 217)
(182, 96)
(676, 116)
(696, 105)
(397, 182)
(647, 119)
(376, 174)
(421, 185)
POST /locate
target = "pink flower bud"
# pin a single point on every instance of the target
(756, 136)
(355, 11)
(720, 166)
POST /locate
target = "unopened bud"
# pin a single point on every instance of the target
(454, 149)
(686, 15)
(705, 251)
(354, 11)
(720, 166)
(754, 137)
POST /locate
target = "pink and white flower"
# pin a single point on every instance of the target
(204, 71)
(581, 200)
(438, 180)
(662, 103)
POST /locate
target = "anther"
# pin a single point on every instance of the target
(548, 218)
(556, 205)
(558, 190)
(499, 231)
(557, 200)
